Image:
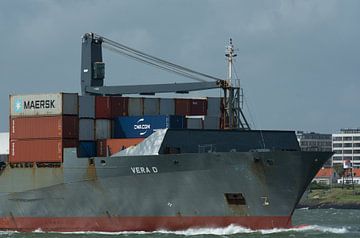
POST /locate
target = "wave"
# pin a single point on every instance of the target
(230, 230)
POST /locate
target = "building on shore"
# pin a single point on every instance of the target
(346, 146)
(326, 176)
(4, 146)
(311, 141)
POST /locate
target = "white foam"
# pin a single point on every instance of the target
(230, 230)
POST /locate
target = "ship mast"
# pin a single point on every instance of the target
(233, 116)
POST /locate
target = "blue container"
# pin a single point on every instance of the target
(86, 149)
(143, 126)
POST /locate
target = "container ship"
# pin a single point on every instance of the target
(105, 161)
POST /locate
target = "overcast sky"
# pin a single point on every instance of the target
(298, 61)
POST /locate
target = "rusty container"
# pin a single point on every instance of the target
(102, 107)
(198, 107)
(119, 106)
(38, 150)
(66, 127)
(182, 107)
(109, 147)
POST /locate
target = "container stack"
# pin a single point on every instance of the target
(41, 126)
(87, 143)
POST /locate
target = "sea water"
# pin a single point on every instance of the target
(307, 223)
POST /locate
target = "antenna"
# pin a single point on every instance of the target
(233, 116)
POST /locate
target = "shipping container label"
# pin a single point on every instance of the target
(42, 104)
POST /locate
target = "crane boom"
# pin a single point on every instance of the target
(93, 74)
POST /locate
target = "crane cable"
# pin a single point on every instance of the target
(155, 61)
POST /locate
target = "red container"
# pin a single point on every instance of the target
(66, 127)
(102, 107)
(182, 107)
(38, 150)
(198, 107)
(111, 146)
(119, 106)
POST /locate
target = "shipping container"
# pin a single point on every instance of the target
(86, 149)
(109, 147)
(102, 107)
(182, 107)
(38, 150)
(119, 106)
(198, 107)
(86, 129)
(136, 127)
(194, 123)
(102, 129)
(211, 122)
(167, 106)
(87, 106)
(151, 106)
(136, 107)
(51, 104)
(214, 106)
(66, 127)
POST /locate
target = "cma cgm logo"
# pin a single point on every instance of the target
(18, 105)
(140, 125)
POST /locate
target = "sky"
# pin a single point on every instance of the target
(298, 61)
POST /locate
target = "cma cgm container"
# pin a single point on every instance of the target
(44, 104)
(38, 150)
(143, 126)
(44, 127)
(111, 146)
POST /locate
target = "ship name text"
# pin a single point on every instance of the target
(144, 170)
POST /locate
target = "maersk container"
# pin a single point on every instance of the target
(86, 106)
(38, 150)
(143, 126)
(119, 106)
(167, 106)
(151, 106)
(86, 129)
(194, 123)
(214, 106)
(211, 122)
(86, 149)
(102, 107)
(102, 129)
(44, 104)
(66, 127)
(136, 107)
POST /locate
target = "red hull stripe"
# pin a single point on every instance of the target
(113, 224)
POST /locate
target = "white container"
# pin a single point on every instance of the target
(194, 123)
(136, 106)
(151, 106)
(167, 106)
(214, 106)
(86, 107)
(211, 122)
(102, 129)
(44, 104)
(86, 129)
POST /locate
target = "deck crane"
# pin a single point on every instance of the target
(93, 74)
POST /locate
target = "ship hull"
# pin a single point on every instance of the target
(162, 192)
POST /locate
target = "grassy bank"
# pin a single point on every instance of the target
(331, 197)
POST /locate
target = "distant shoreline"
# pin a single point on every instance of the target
(329, 206)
